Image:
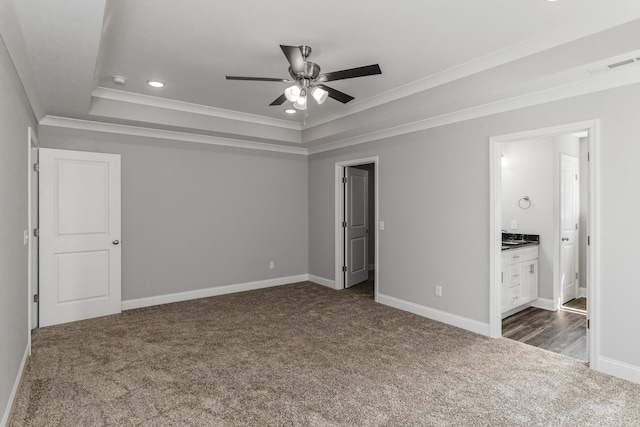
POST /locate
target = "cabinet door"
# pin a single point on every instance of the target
(529, 280)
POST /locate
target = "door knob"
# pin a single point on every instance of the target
(115, 242)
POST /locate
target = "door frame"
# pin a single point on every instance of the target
(32, 217)
(339, 209)
(593, 227)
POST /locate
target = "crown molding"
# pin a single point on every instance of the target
(68, 123)
(519, 51)
(606, 81)
(187, 107)
(596, 83)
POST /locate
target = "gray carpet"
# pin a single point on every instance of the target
(303, 354)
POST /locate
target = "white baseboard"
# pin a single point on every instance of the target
(619, 369)
(545, 304)
(432, 313)
(582, 292)
(14, 391)
(322, 281)
(211, 292)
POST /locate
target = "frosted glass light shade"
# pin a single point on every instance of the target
(301, 103)
(319, 94)
(292, 93)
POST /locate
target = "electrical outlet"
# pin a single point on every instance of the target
(381, 225)
(438, 291)
(26, 237)
(514, 224)
(272, 265)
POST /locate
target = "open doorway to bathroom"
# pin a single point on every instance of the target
(541, 215)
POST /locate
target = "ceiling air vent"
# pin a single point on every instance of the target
(603, 68)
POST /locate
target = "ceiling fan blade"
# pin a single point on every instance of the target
(295, 58)
(257, 79)
(279, 100)
(367, 70)
(336, 94)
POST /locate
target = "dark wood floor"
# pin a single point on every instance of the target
(561, 331)
(576, 304)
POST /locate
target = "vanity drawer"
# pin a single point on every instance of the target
(520, 255)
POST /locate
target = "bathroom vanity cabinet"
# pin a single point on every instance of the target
(519, 277)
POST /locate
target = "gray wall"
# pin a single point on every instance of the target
(434, 199)
(15, 117)
(196, 216)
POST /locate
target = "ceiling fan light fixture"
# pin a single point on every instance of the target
(292, 93)
(319, 94)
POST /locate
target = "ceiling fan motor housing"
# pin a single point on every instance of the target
(311, 71)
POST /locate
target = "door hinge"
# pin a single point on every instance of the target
(36, 232)
(344, 180)
(588, 240)
(576, 226)
(588, 156)
(344, 224)
(576, 274)
(36, 298)
(588, 323)
(344, 268)
(36, 167)
(576, 177)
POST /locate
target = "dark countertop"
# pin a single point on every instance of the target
(517, 241)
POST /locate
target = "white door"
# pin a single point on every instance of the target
(357, 229)
(569, 212)
(79, 235)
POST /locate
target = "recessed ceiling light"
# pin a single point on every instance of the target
(119, 80)
(290, 111)
(155, 83)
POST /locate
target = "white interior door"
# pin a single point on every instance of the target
(79, 235)
(357, 229)
(569, 212)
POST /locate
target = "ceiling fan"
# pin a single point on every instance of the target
(308, 80)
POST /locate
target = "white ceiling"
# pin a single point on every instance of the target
(459, 54)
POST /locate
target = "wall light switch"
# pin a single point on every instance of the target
(381, 225)
(272, 265)
(438, 291)
(514, 224)
(26, 237)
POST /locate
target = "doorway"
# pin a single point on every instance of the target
(356, 238)
(553, 273)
